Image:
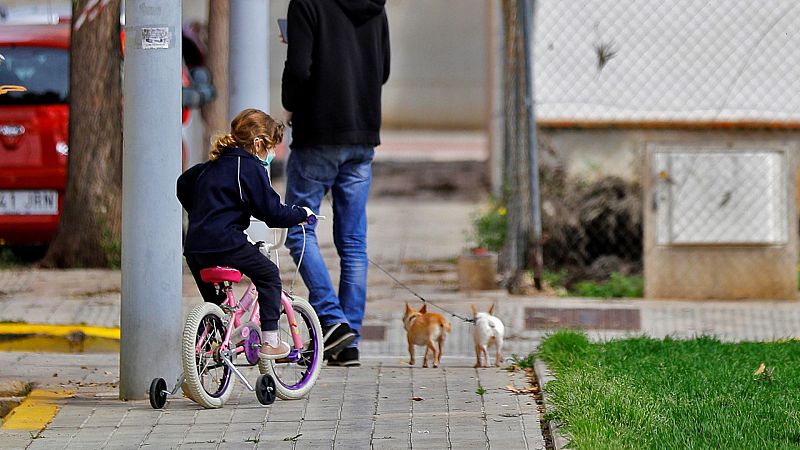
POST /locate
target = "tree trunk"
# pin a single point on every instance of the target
(215, 113)
(89, 230)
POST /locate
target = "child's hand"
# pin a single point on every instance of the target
(311, 218)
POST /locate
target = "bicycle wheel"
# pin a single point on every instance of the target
(208, 381)
(294, 379)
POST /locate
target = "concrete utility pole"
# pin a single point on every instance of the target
(249, 55)
(151, 215)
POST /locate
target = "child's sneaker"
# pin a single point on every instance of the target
(269, 352)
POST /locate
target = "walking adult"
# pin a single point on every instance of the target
(337, 62)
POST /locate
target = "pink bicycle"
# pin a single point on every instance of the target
(214, 336)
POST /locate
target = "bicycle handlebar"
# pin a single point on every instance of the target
(313, 218)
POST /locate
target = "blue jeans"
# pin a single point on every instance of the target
(347, 172)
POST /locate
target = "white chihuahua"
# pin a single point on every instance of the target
(488, 330)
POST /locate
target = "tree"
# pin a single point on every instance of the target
(215, 113)
(89, 231)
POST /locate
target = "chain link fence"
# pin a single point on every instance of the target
(661, 124)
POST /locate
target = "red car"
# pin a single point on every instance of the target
(34, 131)
(33, 134)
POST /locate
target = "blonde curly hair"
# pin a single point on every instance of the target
(245, 128)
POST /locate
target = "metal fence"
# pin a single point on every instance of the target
(677, 117)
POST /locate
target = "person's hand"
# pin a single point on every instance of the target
(311, 218)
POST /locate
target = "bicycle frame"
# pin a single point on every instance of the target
(255, 318)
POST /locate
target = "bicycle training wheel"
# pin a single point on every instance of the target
(294, 379)
(208, 381)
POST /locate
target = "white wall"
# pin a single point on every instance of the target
(439, 70)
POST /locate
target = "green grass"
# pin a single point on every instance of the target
(643, 393)
(617, 285)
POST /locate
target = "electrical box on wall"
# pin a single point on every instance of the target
(719, 196)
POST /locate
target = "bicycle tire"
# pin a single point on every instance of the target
(206, 317)
(294, 381)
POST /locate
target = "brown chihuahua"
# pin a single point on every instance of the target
(423, 328)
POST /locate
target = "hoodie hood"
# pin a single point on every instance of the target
(359, 11)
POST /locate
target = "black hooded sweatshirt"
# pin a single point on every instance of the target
(336, 64)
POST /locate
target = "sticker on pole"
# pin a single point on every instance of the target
(155, 37)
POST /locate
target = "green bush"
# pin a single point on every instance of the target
(618, 285)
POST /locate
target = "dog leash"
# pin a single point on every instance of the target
(427, 302)
(465, 319)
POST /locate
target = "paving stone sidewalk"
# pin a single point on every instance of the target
(383, 404)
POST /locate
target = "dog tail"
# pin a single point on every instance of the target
(446, 325)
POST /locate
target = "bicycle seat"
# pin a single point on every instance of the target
(219, 274)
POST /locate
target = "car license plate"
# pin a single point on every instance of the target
(29, 202)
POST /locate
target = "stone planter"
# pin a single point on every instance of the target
(477, 271)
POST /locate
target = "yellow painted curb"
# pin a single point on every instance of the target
(58, 330)
(36, 411)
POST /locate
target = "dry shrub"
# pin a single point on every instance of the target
(591, 228)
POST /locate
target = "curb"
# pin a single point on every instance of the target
(35, 411)
(59, 330)
(544, 376)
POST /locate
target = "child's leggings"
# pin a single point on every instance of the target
(254, 265)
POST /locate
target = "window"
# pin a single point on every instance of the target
(44, 72)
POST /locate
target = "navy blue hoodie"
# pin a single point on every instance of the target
(220, 196)
(337, 61)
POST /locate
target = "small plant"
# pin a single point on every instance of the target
(520, 362)
(490, 227)
(480, 391)
(556, 281)
(618, 285)
(8, 259)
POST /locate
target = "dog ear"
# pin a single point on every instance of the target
(424, 309)
(491, 310)
(473, 309)
(408, 308)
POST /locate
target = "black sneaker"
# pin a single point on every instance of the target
(337, 337)
(345, 358)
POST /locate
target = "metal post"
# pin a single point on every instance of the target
(150, 317)
(527, 9)
(249, 55)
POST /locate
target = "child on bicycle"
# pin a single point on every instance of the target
(220, 196)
